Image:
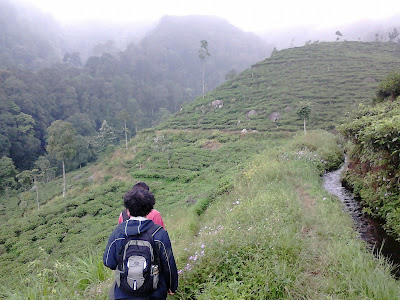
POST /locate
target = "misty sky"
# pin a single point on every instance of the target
(249, 15)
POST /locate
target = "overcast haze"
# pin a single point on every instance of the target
(249, 15)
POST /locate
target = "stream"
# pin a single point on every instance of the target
(370, 229)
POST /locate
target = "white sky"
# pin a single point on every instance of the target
(249, 15)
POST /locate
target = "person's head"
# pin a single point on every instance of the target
(141, 185)
(139, 202)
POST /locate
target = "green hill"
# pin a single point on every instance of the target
(334, 77)
(246, 213)
(149, 81)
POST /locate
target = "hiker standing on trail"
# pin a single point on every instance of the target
(140, 252)
(154, 215)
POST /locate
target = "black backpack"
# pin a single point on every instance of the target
(138, 267)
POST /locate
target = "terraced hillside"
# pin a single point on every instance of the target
(247, 214)
(334, 77)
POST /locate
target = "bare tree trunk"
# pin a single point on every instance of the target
(204, 88)
(305, 132)
(126, 136)
(135, 129)
(63, 165)
(37, 196)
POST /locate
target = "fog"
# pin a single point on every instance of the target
(361, 30)
(249, 15)
(282, 24)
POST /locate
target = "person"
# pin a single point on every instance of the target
(139, 203)
(154, 215)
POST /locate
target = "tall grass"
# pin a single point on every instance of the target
(278, 235)
(267, 229)
(85, 278)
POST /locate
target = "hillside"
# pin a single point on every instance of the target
(247, 214)
(334, 77)
(149, 81)
(174, 44)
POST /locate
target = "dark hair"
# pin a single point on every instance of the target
(141, 185)
(139, 202)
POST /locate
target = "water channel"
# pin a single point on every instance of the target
(370, 229)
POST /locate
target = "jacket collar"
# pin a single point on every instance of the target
(138, 218)
(136, 225)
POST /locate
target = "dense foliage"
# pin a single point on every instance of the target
(390, 87)
(149, 81)
(374, 161)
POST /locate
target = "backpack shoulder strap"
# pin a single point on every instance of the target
(154, 229)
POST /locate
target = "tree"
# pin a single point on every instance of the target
(7, 173)
(106, 136)
(73, 59)
(13, 85)
(394, 34)
(134, 110)
(35, 175)
(82, 124)
(124, 116)
(338, 34)
(62, 143)
(303, 112)
(26, 178)
(24, 147)
(85, 150)
(203, 54)
(43, 163)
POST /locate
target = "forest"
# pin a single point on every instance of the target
(129, 89)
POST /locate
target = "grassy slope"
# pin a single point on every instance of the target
(202, 165)
(279, 235)
(270, 230)
(307, 249)
(335, 77)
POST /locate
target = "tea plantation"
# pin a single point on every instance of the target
(333, 77)
(246, 212)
